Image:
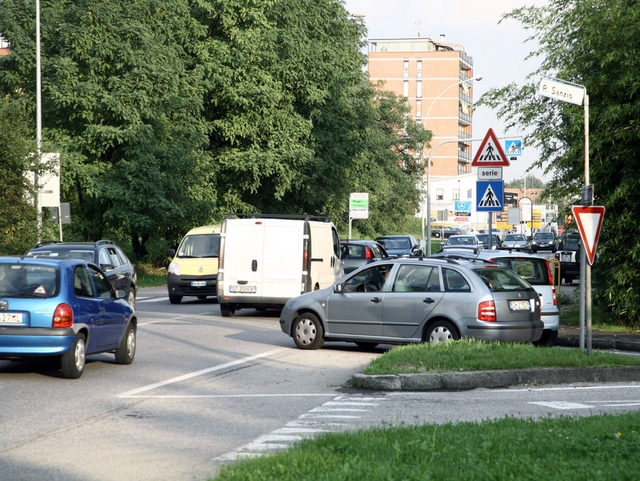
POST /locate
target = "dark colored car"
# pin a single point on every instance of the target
(496, 243)
(569, 256)
(357, 253)
(64, 308)
(445, 232)
(542, 241)
(400, 245)
(104, 253)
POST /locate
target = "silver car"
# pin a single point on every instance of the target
(517, 242)
(416, 300)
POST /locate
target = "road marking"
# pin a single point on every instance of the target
(563, 405)
(184, 377)
(155, 299)
(565, 388)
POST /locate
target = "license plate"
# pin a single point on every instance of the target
(519, 305)
(198, 283)
(244, 289)
(566, 258)
(11, 318)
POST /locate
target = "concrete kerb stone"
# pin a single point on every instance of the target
(494, 379)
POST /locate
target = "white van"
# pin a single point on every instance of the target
(194, 268)
(267, 260)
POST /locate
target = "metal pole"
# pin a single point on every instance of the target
(587, 266)
(38, 123)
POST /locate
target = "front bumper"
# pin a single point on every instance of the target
(192, 286)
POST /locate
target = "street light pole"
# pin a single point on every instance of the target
(428, 210)
(38, 124)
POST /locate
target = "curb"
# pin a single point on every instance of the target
(620, 343)
(494, 379)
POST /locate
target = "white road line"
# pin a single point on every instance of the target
(565, 388)
(184, 377)
(156, 299)
(223, 396)
(563, 405)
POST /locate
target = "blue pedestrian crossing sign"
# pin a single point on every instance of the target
(513, 147)
(490, 195)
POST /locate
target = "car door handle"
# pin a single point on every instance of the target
(376, 300)
(428, 300)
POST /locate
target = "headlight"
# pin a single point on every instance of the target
(174, 268)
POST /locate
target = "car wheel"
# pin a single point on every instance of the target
(226, 310)
(442, 331)
(73, 361)
(308, 332)
(533, 251)
(126, 351)
(436, 235)
(367, 346)
(175, 299)
(568, 280)
(131, 298)
(548, 339)
(202, 298)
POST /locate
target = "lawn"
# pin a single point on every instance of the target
(563, 448)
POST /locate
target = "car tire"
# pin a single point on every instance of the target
(441, 331)
(308, 332)
(367, 346)
(436, 235)
(548, 339)
(175, 299)
(126, 351)
(73, 361)
(227, 310)
(131, 298)
(534, 251)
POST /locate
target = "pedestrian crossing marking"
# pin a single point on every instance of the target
(489, 198)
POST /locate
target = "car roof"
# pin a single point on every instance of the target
(64, 245)
(51, 261)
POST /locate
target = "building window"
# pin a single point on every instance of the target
(456, 194)
(419, 88)
(439, 194)
(469, 193)
(406, 69)
(418, 108)
(419, 69)
(405, 89)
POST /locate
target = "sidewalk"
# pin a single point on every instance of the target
(568, 336)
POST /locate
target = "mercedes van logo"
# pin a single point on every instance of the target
(4, 305)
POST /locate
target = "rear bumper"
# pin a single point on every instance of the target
(26, 342)
(505, 332)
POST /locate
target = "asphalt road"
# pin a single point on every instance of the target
(204, 390)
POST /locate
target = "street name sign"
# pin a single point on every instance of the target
(556, 89)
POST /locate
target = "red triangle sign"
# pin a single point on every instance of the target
(589, 220)
(490, 153)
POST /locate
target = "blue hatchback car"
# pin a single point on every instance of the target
(64, 308)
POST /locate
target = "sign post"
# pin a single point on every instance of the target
(358, 207)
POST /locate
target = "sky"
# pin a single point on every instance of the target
(498, 51)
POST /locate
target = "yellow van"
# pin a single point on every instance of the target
(194, 268)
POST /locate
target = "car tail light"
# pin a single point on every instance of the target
(549, 274)
(555, 299)
(487, 311)
(368, 253)
(62, 317)
(306, 254)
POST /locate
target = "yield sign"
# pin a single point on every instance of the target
(490, 153)
(589, 220)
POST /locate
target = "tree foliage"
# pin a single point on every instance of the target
(593, 43)
(532, 182)
(172, 114)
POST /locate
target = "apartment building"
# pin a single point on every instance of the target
(437, 78)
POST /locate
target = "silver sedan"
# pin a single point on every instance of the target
(416, 300)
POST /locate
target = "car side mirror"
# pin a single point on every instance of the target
(106, 267)
(337, 288)
(171, 253)
(121, 294)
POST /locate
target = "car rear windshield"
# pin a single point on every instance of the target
(533, 270)
(22, 280)
(501, 280)
(64, 253)
(354, 252)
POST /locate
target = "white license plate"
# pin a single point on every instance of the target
(244, 289)
(566, 258)
(198, 283)
(519, 305)
(11, 318)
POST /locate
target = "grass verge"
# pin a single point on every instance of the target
(470, 355)
(149, 276)
(563, 448)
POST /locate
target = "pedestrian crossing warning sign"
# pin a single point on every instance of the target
(490, 196)
(513, 147)
(490, 153)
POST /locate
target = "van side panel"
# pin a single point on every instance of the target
(326, 267)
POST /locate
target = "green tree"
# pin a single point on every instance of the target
(592, 43)
(532, 182)
(18, 221)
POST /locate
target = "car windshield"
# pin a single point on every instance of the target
(543, 236)
(21, 280)
(484, 238)
(501, 280)
(514, 237)
(395, 243)
(461, 241)
(572, 243)
(204, 245)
